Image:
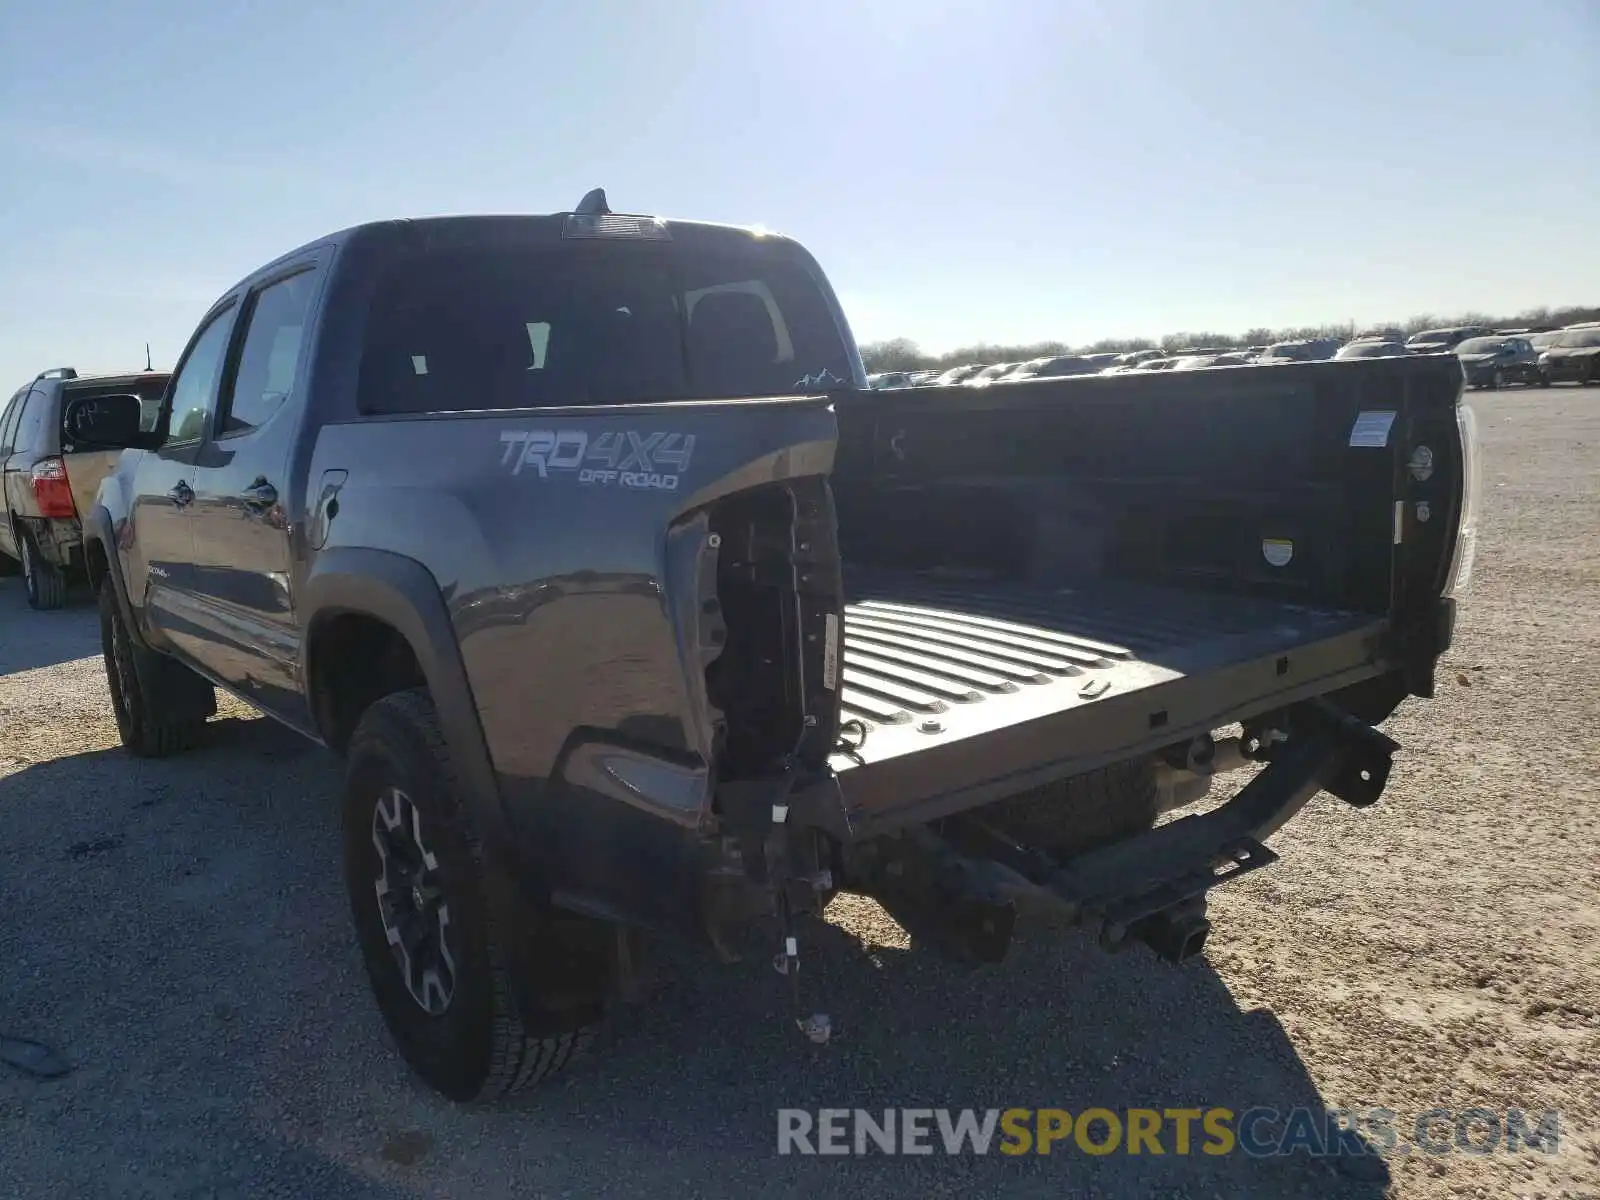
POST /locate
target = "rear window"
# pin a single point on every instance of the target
(592, 324)
(148, 388)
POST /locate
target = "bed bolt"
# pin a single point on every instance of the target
(931, 726)
(1423, 510)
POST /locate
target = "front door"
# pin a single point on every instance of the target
(241, 526)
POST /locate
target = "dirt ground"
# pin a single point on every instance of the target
(178, 932)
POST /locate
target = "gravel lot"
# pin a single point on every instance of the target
(178, 931)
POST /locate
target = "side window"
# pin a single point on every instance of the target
(194, 391)
(8, 419)
(31, 426)
(270, 355)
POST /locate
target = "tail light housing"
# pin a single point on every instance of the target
(51, 488)
(1471, 486)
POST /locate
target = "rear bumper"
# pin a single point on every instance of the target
(59, 539)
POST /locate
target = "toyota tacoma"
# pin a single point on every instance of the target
(631, 608)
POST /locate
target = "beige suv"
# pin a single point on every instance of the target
(48, 482)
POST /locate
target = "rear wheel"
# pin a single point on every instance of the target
(161, 706)
(1073, 815)
(414, 870)
(46, 583)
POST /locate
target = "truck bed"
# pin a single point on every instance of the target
(948, 676)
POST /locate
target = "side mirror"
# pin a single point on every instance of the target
(105, 423)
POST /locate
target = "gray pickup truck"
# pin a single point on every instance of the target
(630, 608)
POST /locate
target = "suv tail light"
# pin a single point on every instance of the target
(52, 489)
(1471, 483)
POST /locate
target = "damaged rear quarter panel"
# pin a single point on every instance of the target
(562, 594)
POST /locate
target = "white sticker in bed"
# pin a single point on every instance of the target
(1277, 551)
(830, 652)
(1371, 429)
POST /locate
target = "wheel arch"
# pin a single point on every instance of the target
(402, 594)
(101, 560)
(391, 590)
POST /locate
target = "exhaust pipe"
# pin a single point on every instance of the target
(1175, 934)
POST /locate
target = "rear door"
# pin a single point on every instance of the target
(241, 532)
(159, 562)
(8, 425)
(26, 428)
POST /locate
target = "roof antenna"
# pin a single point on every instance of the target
(593, 204)
(147, 365)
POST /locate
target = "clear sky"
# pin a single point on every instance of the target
(1018, 170)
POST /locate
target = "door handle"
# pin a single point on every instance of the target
(259, 495)
(181, 494)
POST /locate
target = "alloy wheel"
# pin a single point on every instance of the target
(411, 902)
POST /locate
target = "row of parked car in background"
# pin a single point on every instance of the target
(1490, 358)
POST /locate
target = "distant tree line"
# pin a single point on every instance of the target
(902, 354)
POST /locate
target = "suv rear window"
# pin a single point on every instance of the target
(148, 388)
(587, 324)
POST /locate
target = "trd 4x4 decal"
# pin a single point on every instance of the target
(621, 458)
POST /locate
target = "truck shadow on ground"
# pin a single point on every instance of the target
(30, 640)
(180, 931)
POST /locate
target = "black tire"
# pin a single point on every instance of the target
(1073, 815)
(161, 706)
(474, 1048)
(45, 582)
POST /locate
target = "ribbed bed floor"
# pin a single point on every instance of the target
(935, 660)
